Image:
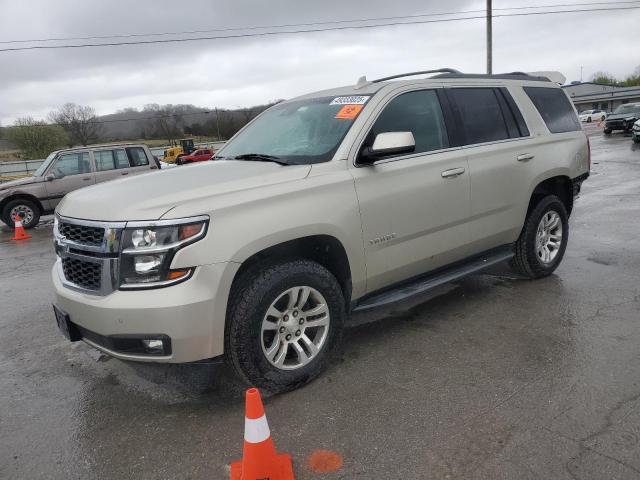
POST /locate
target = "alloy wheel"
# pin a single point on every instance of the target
(295, 327)
(549, 237)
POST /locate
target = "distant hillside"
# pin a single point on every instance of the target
(171, 121)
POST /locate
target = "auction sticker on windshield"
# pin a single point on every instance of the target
(352, 100)
(349, 112)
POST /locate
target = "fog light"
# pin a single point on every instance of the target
(147, 263)
(153, 346)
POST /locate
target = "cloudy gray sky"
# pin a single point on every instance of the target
(249, 71)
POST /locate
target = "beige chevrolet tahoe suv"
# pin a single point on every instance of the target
(335, 202)
(66, 170)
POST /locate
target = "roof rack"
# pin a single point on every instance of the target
(556, 77)
(411, 74)
(362, 81)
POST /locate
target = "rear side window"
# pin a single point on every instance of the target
(137, 156)
(121, 159)
(417, 112)
(104, 160)
(555, 109)
(481, 115)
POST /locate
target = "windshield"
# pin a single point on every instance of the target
(585, 112)
(43, 167)
(629, 108)
(298, 132)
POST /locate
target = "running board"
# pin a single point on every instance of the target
(425, 283)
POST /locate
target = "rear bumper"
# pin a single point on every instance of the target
(190, 314)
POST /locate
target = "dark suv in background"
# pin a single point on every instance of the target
(622, 118)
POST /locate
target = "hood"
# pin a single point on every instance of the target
(13, 184)
(618, 116)
(151, 195)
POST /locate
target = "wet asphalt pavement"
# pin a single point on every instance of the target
(495, 378)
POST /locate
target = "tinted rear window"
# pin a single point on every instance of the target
(137, 156)
(555, 109)
(481, 114)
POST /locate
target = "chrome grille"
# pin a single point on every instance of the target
(84, 274)
(87, 254)
(82, 234)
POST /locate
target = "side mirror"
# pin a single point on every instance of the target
(388, 143)
(50, 178)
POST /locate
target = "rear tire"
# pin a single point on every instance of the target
(29, 209)
(256, 343)
(543, 240)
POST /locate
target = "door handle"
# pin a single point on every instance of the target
(525, 157)
(124, 173)
(86, 179)
(454, 172)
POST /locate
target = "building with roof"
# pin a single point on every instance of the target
(590, 95)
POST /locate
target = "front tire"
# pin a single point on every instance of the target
(284, 321)
(588, 119)
(28, 209)
(607, 131)
(543, 240)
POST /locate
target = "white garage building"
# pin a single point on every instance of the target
(589, 95)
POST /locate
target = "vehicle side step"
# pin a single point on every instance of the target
(430, 281)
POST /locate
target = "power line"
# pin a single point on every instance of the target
(314, 30)
(310, 24)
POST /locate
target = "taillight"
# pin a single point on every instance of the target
(589, 153)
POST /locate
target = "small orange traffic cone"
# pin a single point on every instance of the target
(19, 233)
(259, 458)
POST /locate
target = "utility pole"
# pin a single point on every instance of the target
(580, 73)
(489, 40)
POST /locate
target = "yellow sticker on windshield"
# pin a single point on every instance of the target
(349, 112)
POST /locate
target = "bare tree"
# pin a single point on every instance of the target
(248, 114)
(166, 122)
(79, 121)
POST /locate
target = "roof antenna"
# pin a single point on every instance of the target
(361, 83)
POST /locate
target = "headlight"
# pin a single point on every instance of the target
(149, 247)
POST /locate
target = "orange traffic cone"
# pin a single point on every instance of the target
(19, 233)
(259, 458)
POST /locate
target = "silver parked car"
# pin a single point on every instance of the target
(335, 202)
(66, 170)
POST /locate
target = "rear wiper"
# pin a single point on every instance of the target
(262, 157)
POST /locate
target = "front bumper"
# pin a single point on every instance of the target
(619, 124)
(191, 314)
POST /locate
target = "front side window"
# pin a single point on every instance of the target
(480, 114)
(137, 156)
(297, 132)
(72, 164)
(554, 108)
(417, 112)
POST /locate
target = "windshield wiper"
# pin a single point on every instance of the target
(261, 157)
